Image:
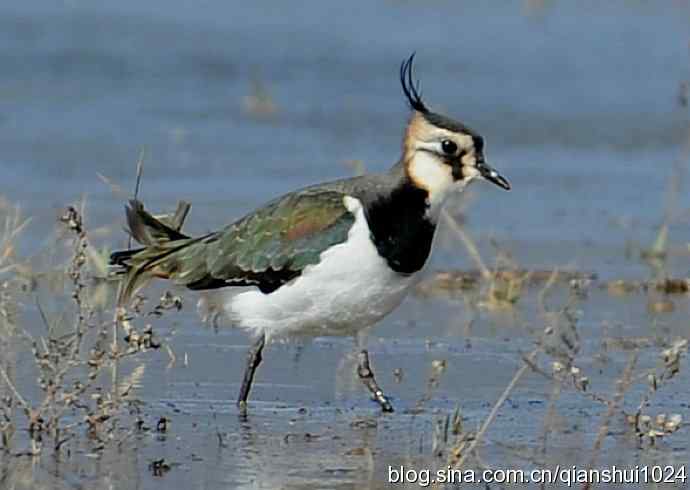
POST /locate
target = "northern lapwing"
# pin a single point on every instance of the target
(329, 259)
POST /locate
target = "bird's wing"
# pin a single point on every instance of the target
(272, 245)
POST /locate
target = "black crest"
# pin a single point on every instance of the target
(410, 86)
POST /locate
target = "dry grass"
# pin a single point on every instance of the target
(556, 357)
(83, 404)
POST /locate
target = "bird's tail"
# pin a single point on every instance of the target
(161, 239)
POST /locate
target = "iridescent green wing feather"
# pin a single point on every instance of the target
(274, 244)
(266, 248)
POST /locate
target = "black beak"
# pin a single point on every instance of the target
(492, 176)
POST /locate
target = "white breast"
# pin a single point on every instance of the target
(351, 288)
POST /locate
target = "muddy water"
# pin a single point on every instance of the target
(580, 108)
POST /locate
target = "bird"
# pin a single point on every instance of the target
(328, 259)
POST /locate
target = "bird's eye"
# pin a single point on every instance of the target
(448, 147)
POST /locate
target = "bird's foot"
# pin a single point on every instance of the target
(242, 409)
(366, 374)
(254, 358)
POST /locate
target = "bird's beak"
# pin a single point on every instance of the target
(492, 175)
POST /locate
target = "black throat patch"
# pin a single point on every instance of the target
(400, 228)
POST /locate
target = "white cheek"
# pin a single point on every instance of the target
(427, 172)
(437, 178)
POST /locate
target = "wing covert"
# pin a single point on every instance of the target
(275, 243)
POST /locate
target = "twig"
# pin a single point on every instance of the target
(541, 298)
(11, 386)
(438, 367)
(494, 411)
(556, 389)
(469, 244)
(623, 385)
(171, 355)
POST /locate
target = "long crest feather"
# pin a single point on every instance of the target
(410, 86)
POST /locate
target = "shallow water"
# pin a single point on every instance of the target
(579, 105)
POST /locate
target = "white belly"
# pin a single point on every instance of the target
(351, 288)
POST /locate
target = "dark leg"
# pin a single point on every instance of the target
(253, 361)
(367, 376)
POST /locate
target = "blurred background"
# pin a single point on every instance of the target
(234, 103)
(229, 104)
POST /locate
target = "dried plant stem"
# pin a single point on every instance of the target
(469, 244)
(622, 386)
(117, 321)
(541, 298)
(497, 406)
(551, 412)
(69, 375)
(13, 389)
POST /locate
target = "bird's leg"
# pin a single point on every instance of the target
(253, 361)
(366, 374)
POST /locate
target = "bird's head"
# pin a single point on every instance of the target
(440, 154)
